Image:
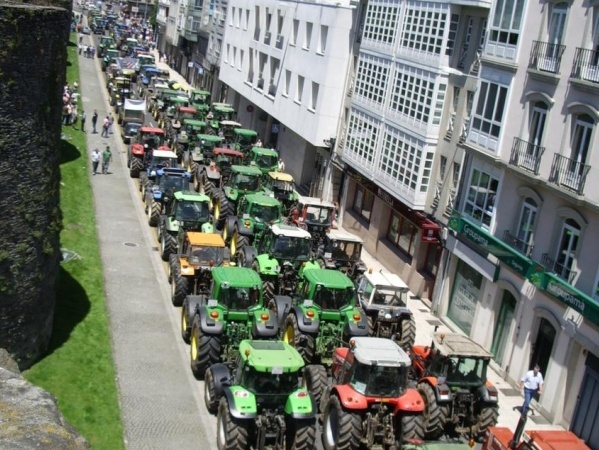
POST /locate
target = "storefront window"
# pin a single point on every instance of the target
(465, 294)
(363, 202)
(402, 233)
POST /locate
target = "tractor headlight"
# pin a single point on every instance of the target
(387, 316)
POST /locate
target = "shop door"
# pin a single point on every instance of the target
(543, 346)
(502, 326)
(586, 415)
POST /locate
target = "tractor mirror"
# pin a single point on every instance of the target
(225, 285)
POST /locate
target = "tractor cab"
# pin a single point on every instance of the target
(267, 159)
(327, 289)
(225, 158)
(201, 101)
(244, 139)
(227, 129)
(245, 179)
(161, 159)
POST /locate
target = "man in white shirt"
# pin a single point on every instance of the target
(532, 384)
(95, 160)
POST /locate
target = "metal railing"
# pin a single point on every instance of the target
(569, 173)
(526, 155)
(565, 273)
(546, 57)
(517, 244)
(586, 65)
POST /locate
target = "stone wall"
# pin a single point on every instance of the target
(33, 43)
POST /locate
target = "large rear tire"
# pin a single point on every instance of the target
(136, 167)
(268, 290)
(168, 245)
(316, 379)
(179, 284)
(222, 209)
(143, 179)
(185, 325)
(231, 433)
(154, 210)
(204, 349)
(210, 399)
(434, 414)
(408, 333)
(487, 418)
(303, 343)
(412, 427)
(301, 434)
(341, 429)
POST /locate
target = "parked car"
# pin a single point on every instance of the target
(86, 30)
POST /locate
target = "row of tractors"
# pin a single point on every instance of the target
(285, 325)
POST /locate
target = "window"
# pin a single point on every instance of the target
(526, 226)
(231, 15)
(234, 58)
(227, 55)
(361, 138)
(287, 82)
(596, 287)
(581, 139)
(566, 253)
(256, 23)
(237, 15)
(537, 123)
(363, 202)
(423, 28)
(453, 31)
(381, 23)
(250, 78)
(240, 66)
(314, 96)
(402, 233)
(371, 79)
(480, 200)
(413, 94)
(442, 167)
(294, 30)
(433, 255)
(322, 40)
(487, 119)
(300, 89)
(456, 175)
(308, 36)
(507, 19)
(557, 23)
(247, 19)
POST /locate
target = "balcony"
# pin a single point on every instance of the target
(569, 173)
(526, 155)
(517, 244)
(191, 30)
(546, 57)
(586, 65)
(565, 273)
(194, 11)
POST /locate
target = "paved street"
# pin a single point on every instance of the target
(161, 403)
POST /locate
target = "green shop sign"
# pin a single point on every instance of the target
(572, 297)
(503, 252)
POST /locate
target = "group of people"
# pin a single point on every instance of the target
(105, 157)
(89, 51)
(69, 104)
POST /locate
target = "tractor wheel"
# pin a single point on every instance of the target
(210, 398)
(412, 427)
(204, 350)
(136, 167)
(268, 290)
(371, 325)
(143, 179)
(408, 333)
(303, 343)
(434, 414)
(240, 243)
(168, 245)
(301, 434)
(185, 325)
(231, 433)
(222, 209)
(154, 210)
(341, 429)
(208, 187)
(193, 169)
(487, 418)
(179, 285)
(316, 379)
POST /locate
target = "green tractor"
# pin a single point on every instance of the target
(233, 311)
(109, 58)
(219, 112)
(265, 158)
(244, 139)
(261, 403)
(158, 188)
(242, 181)
(200, 100)
(200, 153)
(281, 186)
(188, 211)
(277, 255)
(255, 212)
(217, 173)
(106, 42)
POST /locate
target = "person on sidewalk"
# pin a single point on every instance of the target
(83, 118)
(95, 160)
(106, 159)
(105, 125)
(281, 165)
(110, 122)
(532, 384)
(94, 122)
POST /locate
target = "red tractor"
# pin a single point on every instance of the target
(145, 142)
(452, 378)
(369, 403)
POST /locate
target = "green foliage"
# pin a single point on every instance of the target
(79, 368)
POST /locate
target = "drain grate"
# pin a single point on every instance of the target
(509, 392)
(130, 244)
(424, 310)
(434, 323)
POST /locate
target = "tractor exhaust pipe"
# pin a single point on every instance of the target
(513, 444)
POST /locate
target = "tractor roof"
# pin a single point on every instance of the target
(264, 356)
(226, 105)
(209, 138)
(188, 109)
(453, 344)
(179, 99)
(191, 196)
(164, 154)
(288, 230)
(281, 176)
(262, 199)
(342, 235)
(379, 351)
(329, 278)
(151, 130)
(173, 171)
(224, 109)
(227, 151)
(194, 122)
(386, 279)
(205, 239)
(237, 276)
(247, 170)
(315, 201)
(245, 132)
(200, 92)
(264, 151)
(230, 123)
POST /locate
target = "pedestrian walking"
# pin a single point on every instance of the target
(95, 160)
(110, 122)
(105, 125)
(83, 117)
(94, 121)
(80, 46)
(69, 114)
(80, 42)
(281, 165)
(93, 52)
(532, 384)
(106, 159)
(86, 51)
